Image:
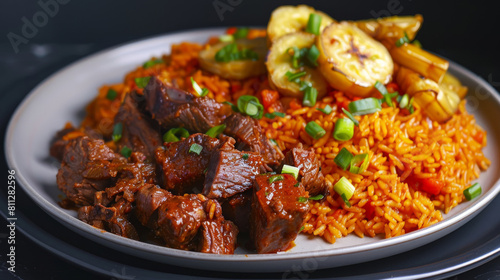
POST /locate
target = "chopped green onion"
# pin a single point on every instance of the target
(142, 82)
(241, 33)
(472, 191)
(343, 158)
(226, 38)
(344, 129)
(200, 92)
(346, 201)
(327, 110)
(304, 85)
(149, 64)
(297, 184)
(302, 199)
(195, 148)
(404, 101)
(295, 53)
(288, 169)
(301, 228)
(417, 43)
(230, 52)
(364, 106)
(310, 95)
(233, 107)
(273, 142)
(344, 187)
(245, 156)
(216, 130)
(317, 197)
(350, 116)
(401, 41)
(410, 106)
(313, 24)
(359, 163)
(381, 88)
(126, 151)
(274, 114)
(111, 95)
(174, 134)
(251, 106)
(312, 55)
(276, 178)
(315, 130)
(117, 132)
(293, 76)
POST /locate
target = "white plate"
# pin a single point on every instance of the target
(63, 96)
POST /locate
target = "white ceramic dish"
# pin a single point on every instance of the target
(63, 96)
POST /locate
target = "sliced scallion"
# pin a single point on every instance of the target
(117, 132)
(344, 129)
(111, 95)
(343, 158)
(275, 178)
(241, 32)
(293, 76)
(315, 130)
(226, 38)
(312, 55)
(216, 130)
(310, 96)
(274, 114)
(359, 163)
(251, 106)
(142, 82)
(381, 88)
(151, 63)
(288, 169)
(313, 24)
(401, 41)
(317, 197)
(302, 199)
(346, 200)
(174, 134)
(245, 156)
(404, 101)
(344, 187)
(327, 110)
(233, 107)
(200, 92)
(364, 106)
(350, 116)
(195, 148)
(472, 191)
(126, 151)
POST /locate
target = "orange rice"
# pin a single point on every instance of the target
(394, 140)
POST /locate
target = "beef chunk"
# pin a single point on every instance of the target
(249, 137)
(309, 169)
(279, 207)
(172, 107)
(179, 219)
(231, 172)
(147, 200)
(86, 168)
(113, 219)
(218, 237)
(184, 171)
(237, 209)
(60, 141)
(139, 132)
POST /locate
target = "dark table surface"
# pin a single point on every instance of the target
(459, 30)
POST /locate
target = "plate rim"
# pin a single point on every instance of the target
(69, 220)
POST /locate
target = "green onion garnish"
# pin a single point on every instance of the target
(302, 199)
(111, 95)
(404, 101)
(226, 38)
(401, 41)
(126, 151)
(310, 95)
(364, 106)
(233, 107)
(346, 201)
(317, 197)
(275, 178)
(312, 55)
(417, 43)
(241, 33)
(117, 132)
(200, 92)
(350, 116)
(313, 24)
(345, 188)
(301, 228)
(149, 64)
(344, 129)
(383, 90)
(216, 130)
(288, 169)
(293, 76)
(174, 135)
(410, 106)
(327, 110)
(359, 163)
(343, 158)
(245, 156)
(195, 148)
(315, 130)
(274, 114)
(142, 82)
(472, 191)
(230, 52)
(295, 53)
(251, 106)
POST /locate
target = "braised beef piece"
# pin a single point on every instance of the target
(173, 107)
(59, 142)
(237, 209)
(179, 218)
(113, 219)
(231, 172)
(182, 170)
(249, 137)
(310, 174)
(86, 167)
(139, 132)
(279, 207)
(147, 200)
(218, 237)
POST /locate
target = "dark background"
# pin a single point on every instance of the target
(463, 31)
